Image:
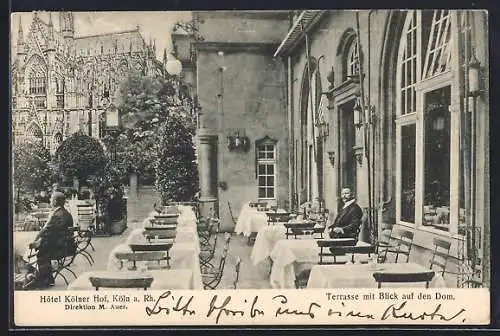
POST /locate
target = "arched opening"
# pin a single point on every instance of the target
(34, 133)
(311, 144)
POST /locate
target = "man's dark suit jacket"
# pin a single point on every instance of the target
(349, 219)
(55, 238)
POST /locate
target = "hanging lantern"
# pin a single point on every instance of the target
(357, 110)
(473, 75)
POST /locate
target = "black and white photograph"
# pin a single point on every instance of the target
(339, 152)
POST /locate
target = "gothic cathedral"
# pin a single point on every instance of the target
(62, 83)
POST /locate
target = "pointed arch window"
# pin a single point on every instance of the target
(352, 59)
(37, 82)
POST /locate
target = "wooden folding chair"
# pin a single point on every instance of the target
(382, 277)
(440, 254)
(117, 282)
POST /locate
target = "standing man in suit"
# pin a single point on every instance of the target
(54, 240)
(348, 221)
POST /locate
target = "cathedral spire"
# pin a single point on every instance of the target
(20, 37)
(51, 27)
(66, 24)
(164, 56)
(50, 38)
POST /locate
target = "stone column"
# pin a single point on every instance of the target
(133, 186)
(207, 167)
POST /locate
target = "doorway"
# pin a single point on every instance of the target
(347, 141)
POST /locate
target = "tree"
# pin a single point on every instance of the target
(156, 113)
(32, 170)
(145, 104)
(81, 157)
(176, 170)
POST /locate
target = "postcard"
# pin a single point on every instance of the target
(225, 168)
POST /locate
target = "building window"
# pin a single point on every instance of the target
(427, 134)
(266, 170)
(352, 60)
(38, 84)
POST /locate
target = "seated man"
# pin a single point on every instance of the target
(54, 240)
(348, 220)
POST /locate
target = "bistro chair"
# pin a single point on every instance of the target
(62, 261)
(86, 216)
(402, 246)
(440, 254)
(246, 284)
(212, 276)
(470, 283)
(83, 241)
(382, 277)
(208, 253)
(121, 282)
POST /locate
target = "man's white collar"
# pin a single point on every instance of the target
(346, 204)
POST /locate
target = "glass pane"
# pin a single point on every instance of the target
(408, 137)
(262, 180)
(437, 159)
(270, 169)
(262, 192)
(270, 154)
(262, 169)
(270, 181)
(261, 155)
(465, 168)
(270, 192)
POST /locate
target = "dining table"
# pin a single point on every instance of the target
(304, 253)
(266, 239)
(361, 275)
(184, 253)
(251, 220)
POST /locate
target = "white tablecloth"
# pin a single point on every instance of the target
(266, 239)
(250, 220)
(286, 252)
(183, 256)
(187, 217)
(360, 276)
(21, 241)
(184, 235)
(162, 279)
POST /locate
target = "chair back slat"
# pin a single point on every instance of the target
(140, 256)
(161, 233)
(126, 282)
(151, 247)
(383, 277)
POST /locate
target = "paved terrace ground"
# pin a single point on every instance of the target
(138, 209)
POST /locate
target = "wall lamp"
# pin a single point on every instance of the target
(331, 158)
(237, 142)
(474, 76)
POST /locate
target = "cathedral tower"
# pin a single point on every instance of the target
(66, 24)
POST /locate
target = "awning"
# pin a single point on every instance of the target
(306, 20)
